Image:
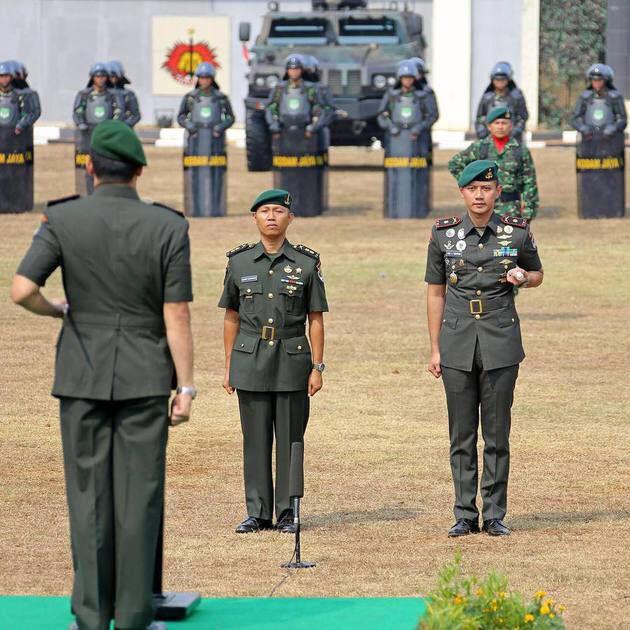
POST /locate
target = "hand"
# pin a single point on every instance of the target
(308, 134)
(610, 130)
(315, 382)
(414, 137)
(226, 382)
(217, 134)
(434, 365)
(18, 131)
(517, 276)
(394, 130)
(180, 409)
(61, 307)
(83, 126)
(274, 128)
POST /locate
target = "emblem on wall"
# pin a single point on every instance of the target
(183, 58)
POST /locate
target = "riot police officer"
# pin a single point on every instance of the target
(502, 90)
(600, 117)
(118, 79)
(16, 183)
(430, 104)
(296, 113)
(403, 116)
(205, 113)
(93, 104)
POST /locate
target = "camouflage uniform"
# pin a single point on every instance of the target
(517, 175)
(320, 109)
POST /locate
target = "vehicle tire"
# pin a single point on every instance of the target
(257, 141)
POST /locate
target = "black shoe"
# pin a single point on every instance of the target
(495, 527)
(463, 527)
(285, 523)
(252, 524)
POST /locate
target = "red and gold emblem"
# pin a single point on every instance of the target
(183, 58)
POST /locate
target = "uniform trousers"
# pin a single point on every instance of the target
(471, 396)
(262, 415)
(114, 460)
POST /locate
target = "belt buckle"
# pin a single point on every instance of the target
(474, 304)
(268, 333)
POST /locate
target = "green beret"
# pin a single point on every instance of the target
(115, 140)
(479, 170)
(275, 196)
(498, 112)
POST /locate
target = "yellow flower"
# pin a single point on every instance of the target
(502, 594)
(551, 615)
(529, 618)
(544, 609)
(494, 605)
(562, 608)
(479, 592)
(457, 600)
(540, 594)
(549, 602)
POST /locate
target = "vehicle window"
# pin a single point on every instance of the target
(285, 31)
(367, 30)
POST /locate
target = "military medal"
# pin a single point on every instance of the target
(508, 229)
(453, 277)
(288, 269)
(461, 245)
(499, 229)
(461, 233)
(449, 245)
(505, 243)
(450, 233)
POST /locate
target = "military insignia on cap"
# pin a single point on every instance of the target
(489, 174)
(288, 199)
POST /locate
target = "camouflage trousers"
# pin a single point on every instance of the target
(512, 209)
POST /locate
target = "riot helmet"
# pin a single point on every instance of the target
(312, 69)
(420, 64)
(99, 69)
(205, 69)
(116, 73)
(502, 70)
(294, 61)
(406, 69)
(600, 71)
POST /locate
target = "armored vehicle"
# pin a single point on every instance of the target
(358, 47)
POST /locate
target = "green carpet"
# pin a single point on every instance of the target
(393, 613)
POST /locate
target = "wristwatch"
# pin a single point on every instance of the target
(185, 389)
(320, 367)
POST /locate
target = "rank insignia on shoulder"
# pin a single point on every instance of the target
(516, 221)
(161, 205)
(241, 248)
(54, 202)
(306, 250)
(447, 222)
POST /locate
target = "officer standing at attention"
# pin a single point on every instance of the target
(502, 90)
(97, 101)
(608, 119)
(517, 173)
(206, 94)
(476, 339)
(271, 288)
(131, 110)
(126, 333)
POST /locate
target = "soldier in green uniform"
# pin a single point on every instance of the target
(271, 288)
(476, 338)
(517, 173)
(126, 334)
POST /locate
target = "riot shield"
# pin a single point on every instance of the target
(300, 167)
(600, 172)
(205, 168)
(407, 175)
(84, 183)
(16, 172)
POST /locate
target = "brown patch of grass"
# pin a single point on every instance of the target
(379, 492)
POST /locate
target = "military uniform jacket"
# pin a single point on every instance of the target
(121, 259)
(514, 100)
(517, 174)
(479, 300)
(81, 102)
(273, 295)
(615, 102)
(188, 103)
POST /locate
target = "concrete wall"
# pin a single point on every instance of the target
(58, 40)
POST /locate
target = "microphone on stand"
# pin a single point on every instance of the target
(296, 492)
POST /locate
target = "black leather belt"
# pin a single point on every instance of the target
(478, 307)
(269, 333)
(117, 320)
(510, 196)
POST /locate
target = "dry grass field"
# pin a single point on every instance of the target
(379, 493)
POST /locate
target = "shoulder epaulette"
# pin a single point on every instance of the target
(447, 222)
(306, 250)
(241, 248)
(515, 221)
(54, 202)
(161, 205)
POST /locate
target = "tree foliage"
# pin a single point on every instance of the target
(572, 37)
